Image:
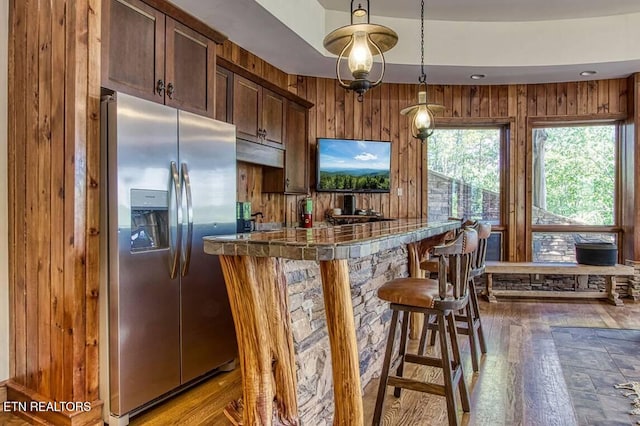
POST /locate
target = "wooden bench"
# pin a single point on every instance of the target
(578, 270)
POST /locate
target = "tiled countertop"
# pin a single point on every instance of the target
(327, 243)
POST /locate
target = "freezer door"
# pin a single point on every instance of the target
(144, 315)
(208, 165)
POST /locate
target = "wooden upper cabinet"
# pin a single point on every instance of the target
(190, 69)
(273, 119)
(150, 55)
(224, 94)
(296, 159)
(247, 98)
(258, 113)
(133, 48)
(294, 177)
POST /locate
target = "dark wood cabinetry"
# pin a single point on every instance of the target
(293, 178)
(148, 54)
(271, 127)
(189, 69)
(224, 95)
(258, 113)
(132, 47)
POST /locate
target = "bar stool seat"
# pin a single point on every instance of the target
(441, 298)
(420, 292)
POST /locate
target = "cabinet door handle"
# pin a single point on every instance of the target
(286, 183)
(160, 87)
(170, 90)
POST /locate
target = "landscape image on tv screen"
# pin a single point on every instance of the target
(353, 166)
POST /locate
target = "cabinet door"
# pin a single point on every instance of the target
(296, 159)
(190, 70)
(133, 48)
(247, 97)
(273, 118)
(224, 95)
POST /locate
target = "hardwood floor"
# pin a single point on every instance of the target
(520, 381)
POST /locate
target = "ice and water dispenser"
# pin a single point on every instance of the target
(149, 220)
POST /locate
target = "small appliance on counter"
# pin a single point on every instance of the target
(349, 204)
(306, 213)
(243, 216)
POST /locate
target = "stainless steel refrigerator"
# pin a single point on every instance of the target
(170, 180)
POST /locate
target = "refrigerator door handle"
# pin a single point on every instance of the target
(174, 260)
(187, 250)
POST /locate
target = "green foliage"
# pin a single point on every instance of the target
(343, 180)
(580, 172)
(471, 156)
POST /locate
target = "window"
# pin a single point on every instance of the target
(464, 174)
(573, 189)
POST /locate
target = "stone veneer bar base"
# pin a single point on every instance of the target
(311, 341)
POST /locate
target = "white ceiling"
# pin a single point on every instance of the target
(494, 10)
(510, 41)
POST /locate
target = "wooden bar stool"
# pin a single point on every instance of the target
(440, 298)
(468, 320)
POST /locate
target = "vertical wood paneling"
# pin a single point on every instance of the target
(31, 216)
(53, 179)
(448, 101)
(17, 182)
(561, 99)
(582, 98)
(92, 261)
(613, 97)
(519, 236)
(44, 206)
(394, 130)
(339, 95)
(592, 97)
(57, 197)
(572, 98)
(602, 97)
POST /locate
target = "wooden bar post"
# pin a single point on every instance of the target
(344, 346)
(258, 296)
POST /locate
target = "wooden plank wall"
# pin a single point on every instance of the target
(53, 139)
(338, 114)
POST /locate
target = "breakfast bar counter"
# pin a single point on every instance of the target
(257, 289)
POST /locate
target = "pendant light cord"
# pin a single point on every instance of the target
(423, 76)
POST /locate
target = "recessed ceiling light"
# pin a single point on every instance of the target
(588, 73)
(477, 76)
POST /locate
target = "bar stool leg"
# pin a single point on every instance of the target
(382, 388)
(452, 410)
(403, 349)
(427, 324)
(473, 338)
(462, 386)
(476, 315)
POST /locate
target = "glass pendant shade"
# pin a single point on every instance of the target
(422, 116)
(360, 57)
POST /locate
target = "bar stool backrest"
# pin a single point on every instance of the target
(454, 265)
(484, 231)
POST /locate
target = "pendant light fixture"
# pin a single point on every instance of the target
(357, 44)
(421, 114)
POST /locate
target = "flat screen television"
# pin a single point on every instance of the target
(346, 165)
